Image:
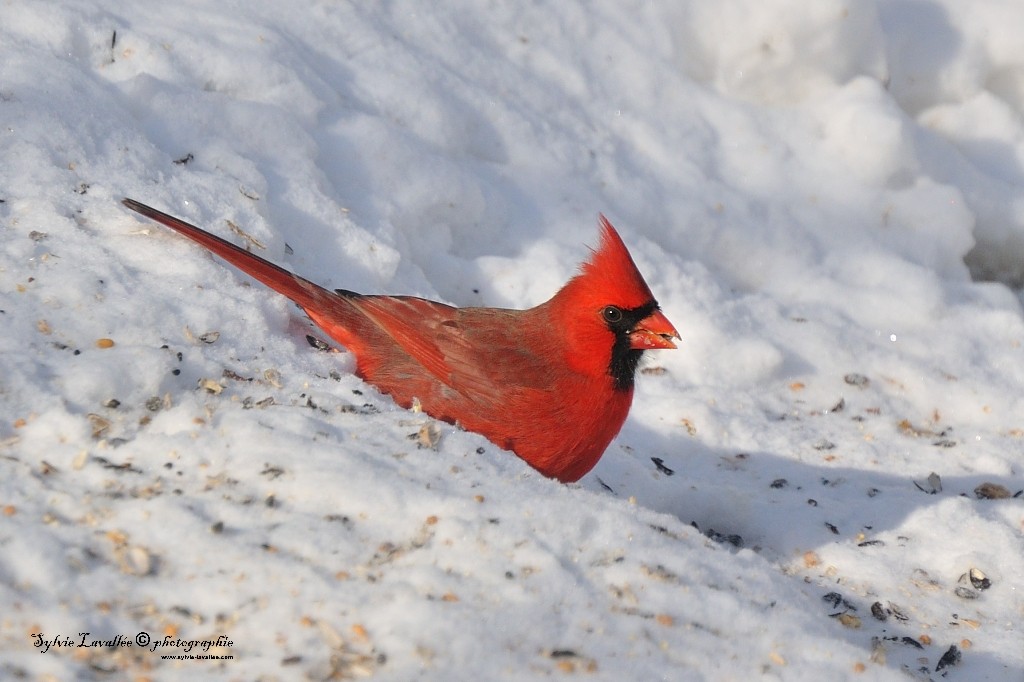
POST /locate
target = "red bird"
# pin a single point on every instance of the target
(553, 384)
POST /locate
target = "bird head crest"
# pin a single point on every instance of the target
(610, 268)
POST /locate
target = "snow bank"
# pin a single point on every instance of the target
(826, 199)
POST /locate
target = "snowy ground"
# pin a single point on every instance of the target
(827, 198)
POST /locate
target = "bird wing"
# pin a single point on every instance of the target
(477, 352)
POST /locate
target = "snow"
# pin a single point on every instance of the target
(826, 198)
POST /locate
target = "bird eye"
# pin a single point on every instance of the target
(611, 314)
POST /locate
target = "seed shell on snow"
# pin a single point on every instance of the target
(858, 380)
(849, 620)
(992, 491)
(950, 658)
(659, 463)
(211, 386)
(136, 561)
(249, 193)
(233, 375)
(317, 343)
(273, 377)
(966, 593)
(429, 436)
(977, 578)
(930, 485)
(100, 425)
(250, 240)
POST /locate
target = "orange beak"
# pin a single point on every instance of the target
(654, 331)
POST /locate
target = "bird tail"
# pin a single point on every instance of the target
(305, 293)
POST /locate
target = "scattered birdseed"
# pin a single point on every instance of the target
(251, 241)
(104, 343)
(135, 560)
(249, 193)
(931, 485)
(849, 620)
(838, 601)
(210, 386)
(116, 466)
(317, 343)
(991, 491)
(858, 380)
(80, 459)
(429, 436)
(966, 593)
(209, 337)
(910, 641)
(723, 538)
(922, 579)
(950, 658)
(660, 464)
(271, 471)
(100, 425)
(979, 579)
(897, 613)
(878, 653)
(969, 622)
(838, 407)
(273, 377)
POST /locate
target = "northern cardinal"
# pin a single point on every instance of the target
(553, 384)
